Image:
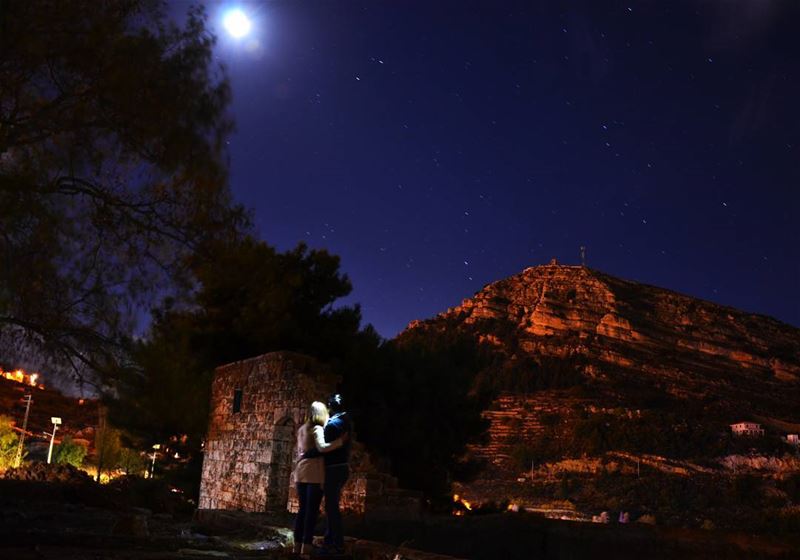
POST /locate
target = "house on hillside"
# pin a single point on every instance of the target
(752, 429)
(793, 439)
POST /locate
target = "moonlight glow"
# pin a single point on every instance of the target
(237, 23)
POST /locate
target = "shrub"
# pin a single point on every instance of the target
(132, 462)
(107, 445)
(69, 453)
(9, 441)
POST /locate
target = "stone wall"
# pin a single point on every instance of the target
(249, 453)
(376, 495)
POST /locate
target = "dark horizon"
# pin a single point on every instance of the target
(438, 147)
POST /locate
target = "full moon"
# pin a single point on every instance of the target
(237, 23)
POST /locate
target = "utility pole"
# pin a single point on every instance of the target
(56, 421)
(583, 255)
(28, 400)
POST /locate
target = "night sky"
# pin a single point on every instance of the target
(437, 146)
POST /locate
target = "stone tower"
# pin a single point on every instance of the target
(256, 407)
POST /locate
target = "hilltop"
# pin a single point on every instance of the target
(633, 339)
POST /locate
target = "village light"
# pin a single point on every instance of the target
(56, 421)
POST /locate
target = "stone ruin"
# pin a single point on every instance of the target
(257, 405)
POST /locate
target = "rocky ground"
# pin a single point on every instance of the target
(62, 515)
(58, 513)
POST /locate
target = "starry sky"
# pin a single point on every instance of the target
(439, 145)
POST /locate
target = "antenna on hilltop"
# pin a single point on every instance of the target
(583, 255)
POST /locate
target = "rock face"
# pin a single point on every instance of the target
(629, 342)
(615, 327)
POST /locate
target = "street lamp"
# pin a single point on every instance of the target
(56, 421)
(156, 447)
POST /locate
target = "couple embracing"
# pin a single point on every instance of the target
(323, 450)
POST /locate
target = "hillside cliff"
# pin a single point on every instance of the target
(621, 334)
(609, 394)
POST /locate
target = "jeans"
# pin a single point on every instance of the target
(310, 496)
(335, 477)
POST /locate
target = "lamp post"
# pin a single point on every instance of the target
(56, 421)
(156, 447)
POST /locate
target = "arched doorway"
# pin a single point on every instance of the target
(280, 469)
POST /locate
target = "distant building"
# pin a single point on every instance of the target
(793, 439)
(747, 429)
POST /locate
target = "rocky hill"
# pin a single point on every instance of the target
(621, 334)
(623, 374)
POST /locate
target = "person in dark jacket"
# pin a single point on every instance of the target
(337, 470)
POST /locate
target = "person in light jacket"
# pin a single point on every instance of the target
(309, 474)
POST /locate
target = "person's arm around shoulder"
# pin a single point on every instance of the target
(321, 445)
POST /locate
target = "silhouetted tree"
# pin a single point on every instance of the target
(418, 406)
(112, 169)
(251, 299)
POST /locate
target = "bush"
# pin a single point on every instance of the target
(107, 444)
(9, 441)
(132, 462)
(69, 453)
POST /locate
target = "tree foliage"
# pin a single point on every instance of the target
(69, 453)
(9, 443)
(418, 405)
(251, 300)
(112, 169)
(131, 462)
(107, 445)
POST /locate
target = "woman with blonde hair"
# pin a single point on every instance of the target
(309, 474)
